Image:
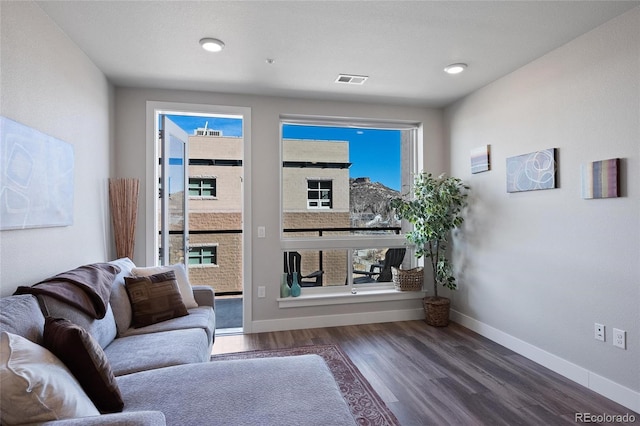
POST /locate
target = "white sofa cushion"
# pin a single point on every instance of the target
(119, 301)
(36, 386)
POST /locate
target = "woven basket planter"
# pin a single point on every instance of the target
(436, 311)
(407, 280)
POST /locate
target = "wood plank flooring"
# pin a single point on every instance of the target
(445, 376)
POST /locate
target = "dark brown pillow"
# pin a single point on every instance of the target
(154, 298)
(86, 360)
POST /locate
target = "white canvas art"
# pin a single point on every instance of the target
(36, 179)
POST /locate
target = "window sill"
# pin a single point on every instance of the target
(342, 296)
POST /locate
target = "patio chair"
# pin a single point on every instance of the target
(381, 272)
(292, 262)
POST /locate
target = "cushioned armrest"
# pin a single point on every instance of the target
(134, 418)
(204, 295)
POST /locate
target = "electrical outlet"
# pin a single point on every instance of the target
(620, 338)
(599, 331)
(261, 292)
(261, 232)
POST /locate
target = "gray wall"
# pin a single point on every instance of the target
(544, 266)
(48, 83)
(265, 178)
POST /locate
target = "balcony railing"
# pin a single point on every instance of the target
(318, 231)
(322, 231)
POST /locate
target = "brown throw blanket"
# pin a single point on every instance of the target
(87, 288)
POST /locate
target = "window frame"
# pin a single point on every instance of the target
(320, 191)
(200, 187)
(410, 166)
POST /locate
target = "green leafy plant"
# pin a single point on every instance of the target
(434, 208)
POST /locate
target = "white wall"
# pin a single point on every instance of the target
(47, 83)
(266, 264)
(544, 266)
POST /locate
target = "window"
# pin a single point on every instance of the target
(319, 194)
(208, 132)
(202, 187)
(205, 255)
(337, 180)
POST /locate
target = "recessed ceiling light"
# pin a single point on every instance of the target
(455, 68)
(211, 44)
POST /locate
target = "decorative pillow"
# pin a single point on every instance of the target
(84, 357)
(36, 386)
(181, 276)
(119, 300)
(154, 299)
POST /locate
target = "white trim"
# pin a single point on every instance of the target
(320, 321)
(202, 197)
(346, 296)
(228, 331)
(605, 387)
(349, 122)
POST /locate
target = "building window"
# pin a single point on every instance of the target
(319, 194)
(202, 187)
(205, 255)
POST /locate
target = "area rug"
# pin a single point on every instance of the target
(366, 405)
(228, 312)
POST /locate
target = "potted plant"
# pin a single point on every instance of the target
(434, 208)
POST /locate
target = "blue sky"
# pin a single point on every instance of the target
(229, 126)
(373, 153)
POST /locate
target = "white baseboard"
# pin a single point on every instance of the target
(336, 320)
(605, 387)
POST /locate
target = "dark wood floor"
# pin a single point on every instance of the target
(445, 376)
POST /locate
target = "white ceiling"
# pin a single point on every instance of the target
(402, 46)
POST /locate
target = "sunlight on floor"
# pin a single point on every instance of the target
(229, 343)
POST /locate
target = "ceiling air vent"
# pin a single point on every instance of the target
(351, 79)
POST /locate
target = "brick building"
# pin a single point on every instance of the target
(215, 210)
(315, 195)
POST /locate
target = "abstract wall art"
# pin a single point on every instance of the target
(531, 172)
(480, 159)
(601, 179)
(36, 178)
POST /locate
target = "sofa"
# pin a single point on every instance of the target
(113, 371)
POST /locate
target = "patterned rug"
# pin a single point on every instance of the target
(366, 405)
